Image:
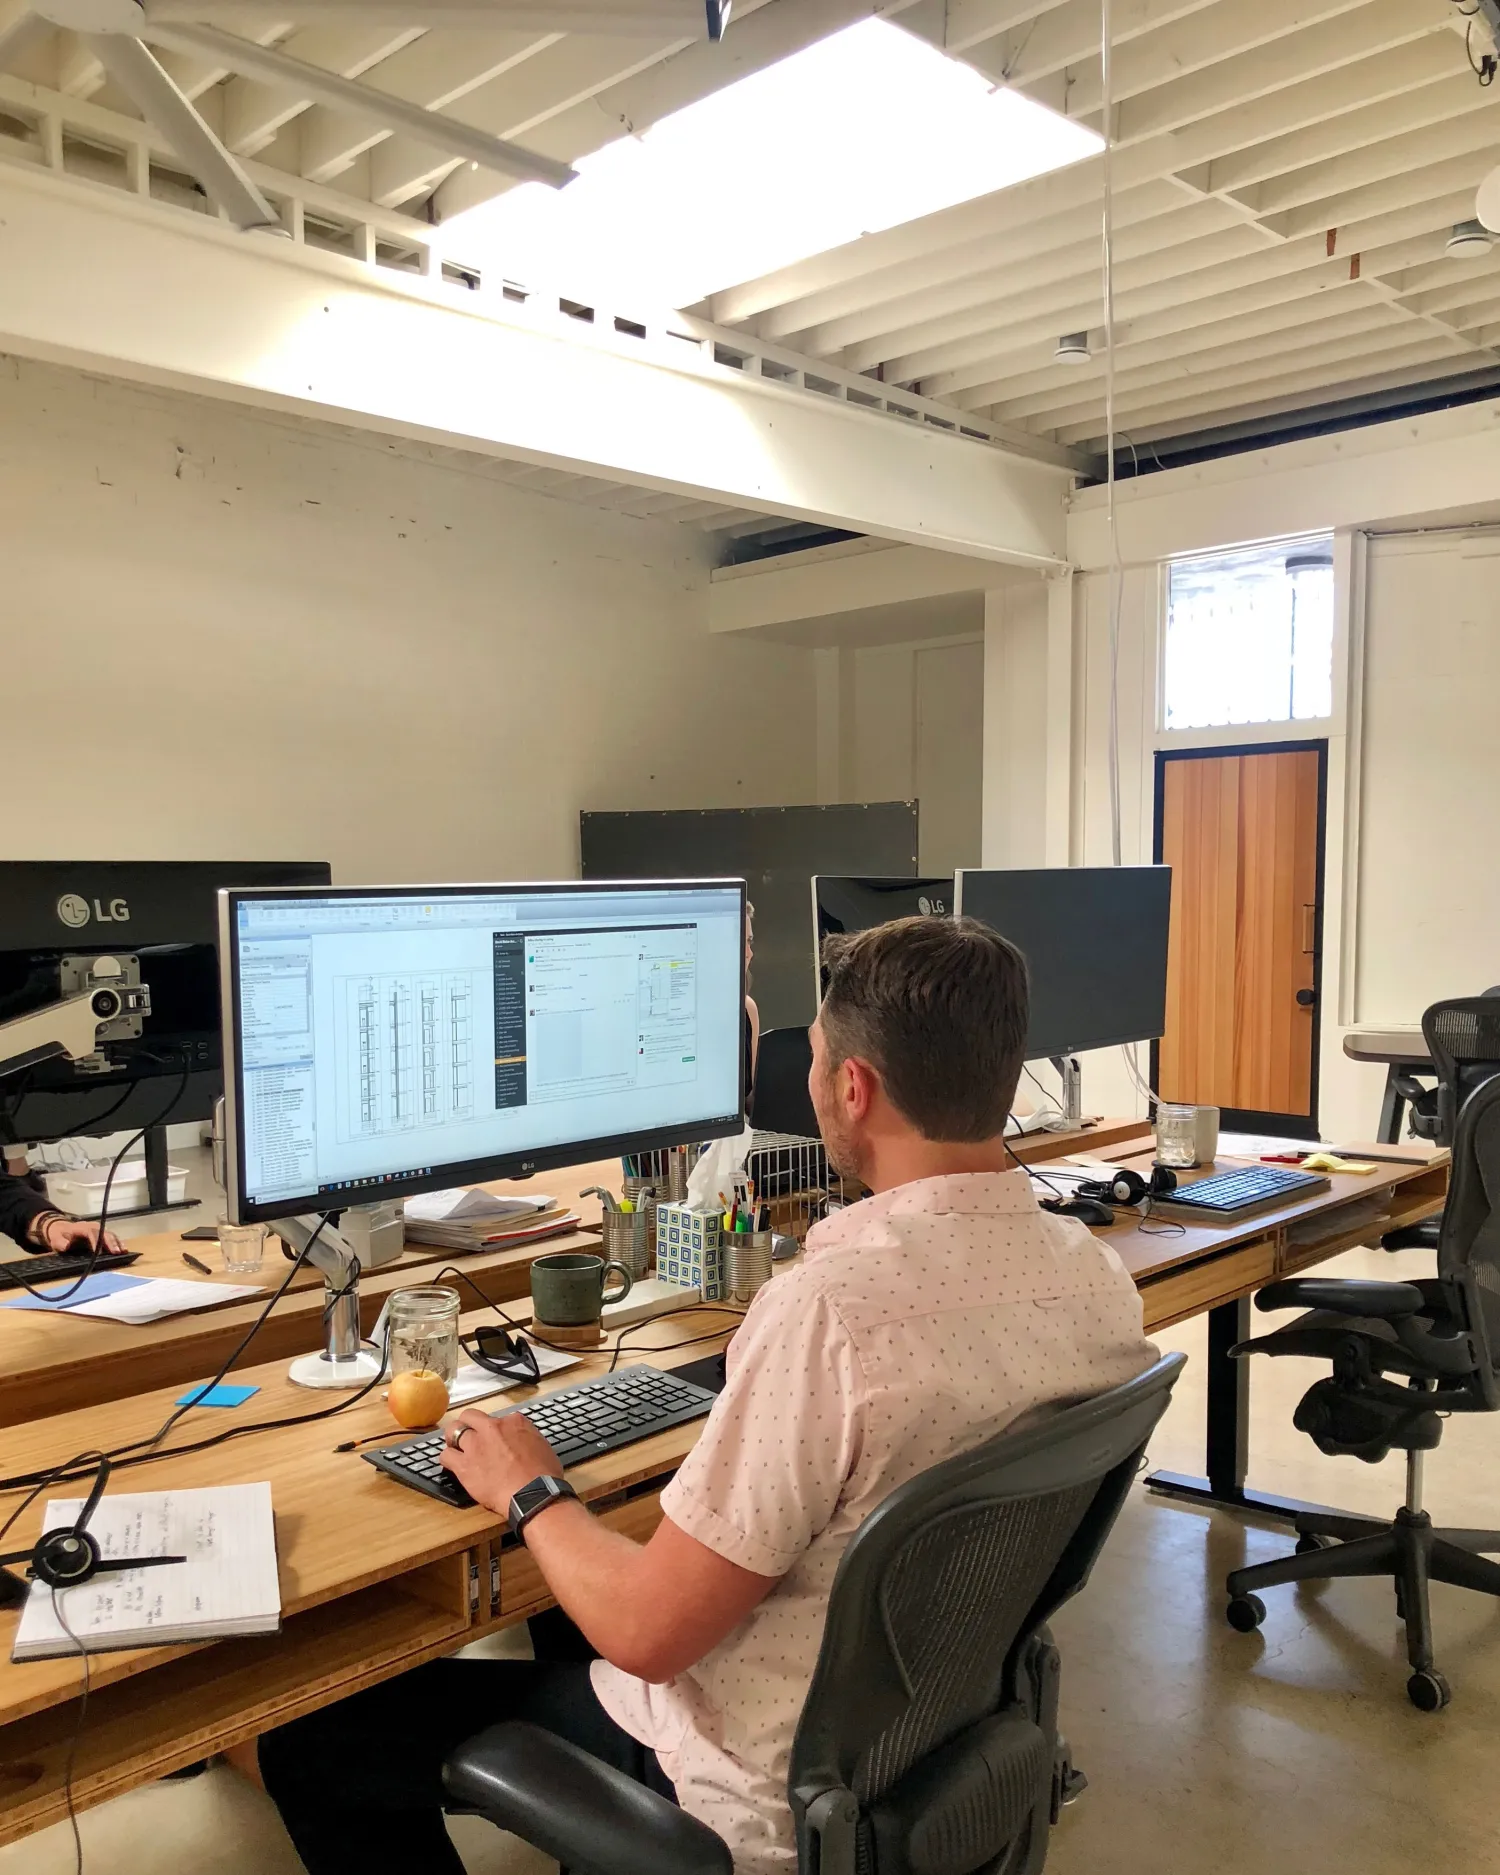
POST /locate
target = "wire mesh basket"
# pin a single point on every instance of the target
(791, 1175)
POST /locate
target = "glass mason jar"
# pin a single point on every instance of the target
(423, 1326)
(1176, 1134)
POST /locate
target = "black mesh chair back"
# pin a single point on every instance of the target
(919, 1750)
(1463, 1038)
(782, 1102)
(1469, 1245)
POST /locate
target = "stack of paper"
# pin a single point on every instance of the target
(227, 1585)
(114, 1297)
(466, 1218)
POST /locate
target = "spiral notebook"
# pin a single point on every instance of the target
(228, 1584)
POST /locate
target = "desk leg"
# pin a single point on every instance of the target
(1392, 1109)
(1227, 1430)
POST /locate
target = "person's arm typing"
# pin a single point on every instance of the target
(763, 1480)
(651, 1609)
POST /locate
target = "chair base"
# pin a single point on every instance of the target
(1409, 1550)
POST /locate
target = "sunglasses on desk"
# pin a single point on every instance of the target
(500, 1352)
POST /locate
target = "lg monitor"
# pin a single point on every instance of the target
(384, 1041)
(1095, 942)
(841, 905)
(60, 924)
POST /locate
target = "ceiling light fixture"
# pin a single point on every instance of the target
(1487, 202)
(1470, 240)
(1072, 349)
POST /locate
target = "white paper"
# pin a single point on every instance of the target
(467, 1201)
(228, 1585)
(473, 1382)
(1252, 1145)
(158, 1296)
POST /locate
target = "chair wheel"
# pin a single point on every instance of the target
(1428, 1691)
(1308, 1543)
(1245, 1613)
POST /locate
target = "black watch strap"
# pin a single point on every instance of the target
(534, 1497)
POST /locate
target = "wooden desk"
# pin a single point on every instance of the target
(376, 1579)
(1215, 1269)
(1403, 1050)
(51, 1363)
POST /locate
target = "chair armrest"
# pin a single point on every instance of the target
(585, 1814)
(1384, 1301)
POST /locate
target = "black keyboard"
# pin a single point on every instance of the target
(48, 1269)
(585, 1421)
(1238, 1191)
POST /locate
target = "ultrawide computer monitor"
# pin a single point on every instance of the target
(841, 905)
(1095, 941)
(383, 1041)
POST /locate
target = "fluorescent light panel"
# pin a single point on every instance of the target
(867, 129)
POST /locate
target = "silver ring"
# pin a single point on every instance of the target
(457, 1438)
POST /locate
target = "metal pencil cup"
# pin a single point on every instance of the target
(642, 1194)
(680, 1161)
(747, 1262)
(624, 1238)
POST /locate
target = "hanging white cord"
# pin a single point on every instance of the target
(1116, 570)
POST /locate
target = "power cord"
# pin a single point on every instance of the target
(688, 1308)
(66, 1295)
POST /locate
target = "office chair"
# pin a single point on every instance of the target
(1443, 1339)
(928, 1743)
(1463, 1038)
(782, 1102)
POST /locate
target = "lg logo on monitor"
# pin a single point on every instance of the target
(75, 912)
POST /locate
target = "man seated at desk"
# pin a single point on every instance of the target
(921, 1321)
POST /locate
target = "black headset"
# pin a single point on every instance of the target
(1126, 1187)
(68, 1557)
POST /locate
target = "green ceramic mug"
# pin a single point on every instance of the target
(568, 1290)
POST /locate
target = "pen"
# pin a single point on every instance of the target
(193, 1264)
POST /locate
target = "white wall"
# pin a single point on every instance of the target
(232, 636)
(1428, 922)
(911, 727)
(1411, 903)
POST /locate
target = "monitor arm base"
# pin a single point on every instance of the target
(1071, 1075)
(344, 1361)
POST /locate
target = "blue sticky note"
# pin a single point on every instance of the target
(49, 1295)
(216, 1396)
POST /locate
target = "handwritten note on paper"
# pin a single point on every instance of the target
(227, 1585)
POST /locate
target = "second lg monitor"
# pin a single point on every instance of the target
(1095, 940)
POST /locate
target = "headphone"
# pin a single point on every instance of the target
(68, 1557)
(1126, 1187)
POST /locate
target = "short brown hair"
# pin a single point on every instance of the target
(939, 1007)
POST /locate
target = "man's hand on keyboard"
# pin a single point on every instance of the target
(493, 1458)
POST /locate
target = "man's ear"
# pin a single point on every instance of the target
(861, 1087)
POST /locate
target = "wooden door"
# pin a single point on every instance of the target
(1242, 832)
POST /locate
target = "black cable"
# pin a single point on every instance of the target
(1484, 71)
(526, 1329)
(70, 1763)
(1030, 1170)
(254, 1329)
(93, 1257)
(123, 1457)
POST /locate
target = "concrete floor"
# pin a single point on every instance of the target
(1292, 1749)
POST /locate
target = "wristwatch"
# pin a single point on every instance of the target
(534, 1497)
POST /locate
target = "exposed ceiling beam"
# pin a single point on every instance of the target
(438, 131)
(651, 18)
(254, 111)
(1403, 190)
(1149, 220)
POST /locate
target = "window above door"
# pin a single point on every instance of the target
(1249, 636)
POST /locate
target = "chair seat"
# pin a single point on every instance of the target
(1320, 1334)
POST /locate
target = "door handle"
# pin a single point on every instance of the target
(1307, 998)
